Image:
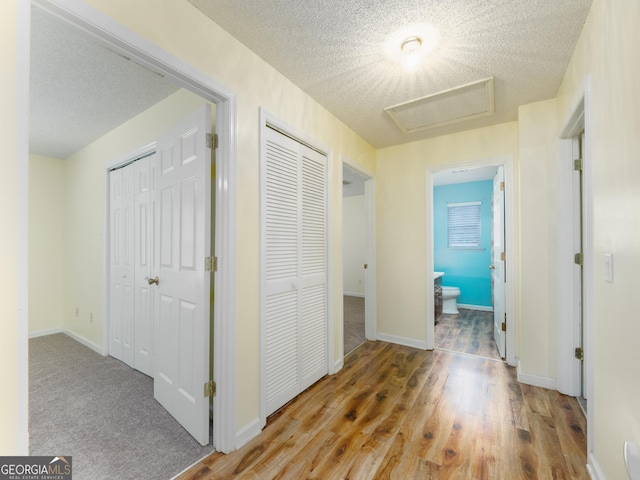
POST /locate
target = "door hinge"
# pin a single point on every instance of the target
(210, 389)
(578, 259)
(577, 164)
(211, 264)
(503, 256)
(580, 353)
(212, 140)
(502, 186)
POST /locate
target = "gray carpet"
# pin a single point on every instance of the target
(103, 414)
(353, 323)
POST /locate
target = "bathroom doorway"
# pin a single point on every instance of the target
(469, 219)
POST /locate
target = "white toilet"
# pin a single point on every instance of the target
(449, 296)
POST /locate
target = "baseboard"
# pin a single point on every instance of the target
(407, 342)
(349, 294)
(535, 380)
(248, 432)
(593, 467)
(480, 308)
(44, 333)
(84, 341)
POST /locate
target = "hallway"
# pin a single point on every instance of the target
(471, 331)
(399, 413)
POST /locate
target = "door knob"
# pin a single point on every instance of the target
(153, 280)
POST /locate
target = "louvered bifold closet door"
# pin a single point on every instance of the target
(294, 268)
(313, 324)
(281, 219)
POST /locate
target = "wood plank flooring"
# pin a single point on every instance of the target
(471, 331)
(395, 412)
(353, 308)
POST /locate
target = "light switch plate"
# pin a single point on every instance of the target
(608, 267)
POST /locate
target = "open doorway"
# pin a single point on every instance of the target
(575, 255)
(575, 261)
(79, 17)
(463, 239)
(470, 216)
(358, 264)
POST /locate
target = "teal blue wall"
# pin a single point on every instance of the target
(466, 269)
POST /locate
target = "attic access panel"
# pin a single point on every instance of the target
(473, 100)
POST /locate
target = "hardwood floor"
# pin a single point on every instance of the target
(471, 331)
(353, 308)
(396, 412)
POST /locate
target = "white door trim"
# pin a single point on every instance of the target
(121, 39)
(23, 42)
(578, 117)
(267, 119)
(509, 180)
(370, 322)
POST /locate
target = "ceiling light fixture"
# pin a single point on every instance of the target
(411, 44)
(411, 49)
(415, 43)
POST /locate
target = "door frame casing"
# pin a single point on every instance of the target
(107, 31)
(578, 118)
(370, 322)
(267, 119)
(507, 162)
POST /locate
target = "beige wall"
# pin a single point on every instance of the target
(13, 331)
(200, 42)
(536, 278)
(353, 244)
(608, 50)
(46, 243)
(401, 219)
(85, 186)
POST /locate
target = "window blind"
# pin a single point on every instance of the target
(464, 222)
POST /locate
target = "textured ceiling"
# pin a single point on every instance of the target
(335, 51)
(79, 90)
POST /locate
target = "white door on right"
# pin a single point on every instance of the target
(498, 262)
(181, 299)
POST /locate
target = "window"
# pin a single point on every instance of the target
(464, 225)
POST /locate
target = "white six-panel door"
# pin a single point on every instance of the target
(160, 228)
(144, 187)
(122, 265)
(294, 269)
(181, 296)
